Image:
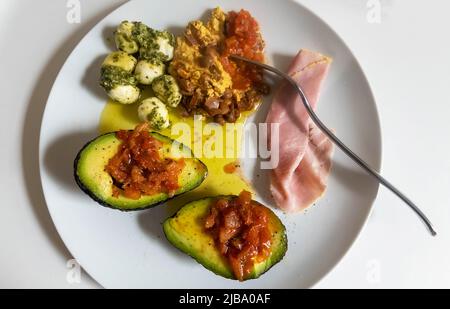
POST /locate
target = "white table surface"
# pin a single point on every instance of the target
(407, 60)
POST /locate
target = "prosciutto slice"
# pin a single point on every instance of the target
(304, 151)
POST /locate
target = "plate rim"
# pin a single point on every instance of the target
(378, 167)
(379, 155)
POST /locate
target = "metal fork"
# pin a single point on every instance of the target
(340, 144)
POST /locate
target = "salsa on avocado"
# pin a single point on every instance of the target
(240, 228)
(138, 168)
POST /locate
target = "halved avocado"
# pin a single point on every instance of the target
(185, 230)
(91, 177)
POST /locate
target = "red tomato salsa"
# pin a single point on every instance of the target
(240, 228)
(231, 168)
(243, 38)
(138, 168)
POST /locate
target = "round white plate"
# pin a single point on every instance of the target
(128, 250)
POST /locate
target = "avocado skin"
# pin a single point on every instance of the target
(276, 257)
(107, 205)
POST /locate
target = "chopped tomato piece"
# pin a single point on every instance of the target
(240, 228)
(138, 168)
(231, 168)
(243, 38)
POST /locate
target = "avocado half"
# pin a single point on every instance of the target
(185, 230)
(91, 177)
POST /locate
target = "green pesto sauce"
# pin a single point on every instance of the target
(112, 76)
(147, 39)
(156, 120)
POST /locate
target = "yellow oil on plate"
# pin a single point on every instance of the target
(216, 146)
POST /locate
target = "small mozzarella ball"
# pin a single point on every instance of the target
(148, 70)
(154, 112)
(124, 38)
(159, 44)
(167, 90)
(126, 28)
(165, 47)
(125, 94)
(121, 60)
(125, 44)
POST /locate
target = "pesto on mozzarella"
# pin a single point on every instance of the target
(148, 70)
(167, 90)
(154, 112)
(121, 60)
(124, 39)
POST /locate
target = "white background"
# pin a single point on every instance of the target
(407, 60)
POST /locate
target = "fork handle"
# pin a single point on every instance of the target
(364, 165)
(343, 147)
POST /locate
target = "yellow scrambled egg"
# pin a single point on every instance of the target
(188, 56)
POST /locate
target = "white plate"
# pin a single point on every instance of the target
(129, 250)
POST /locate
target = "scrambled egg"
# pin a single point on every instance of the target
(187, 64)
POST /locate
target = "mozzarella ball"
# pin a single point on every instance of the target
(125, 94)
(148, 70)
(121, 60)
(167, 90)
(154, 112)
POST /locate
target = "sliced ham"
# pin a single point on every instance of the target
(304, 152)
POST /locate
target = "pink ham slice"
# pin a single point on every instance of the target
(304, 153)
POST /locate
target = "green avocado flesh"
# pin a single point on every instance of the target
(92, 178)
(186, 232)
